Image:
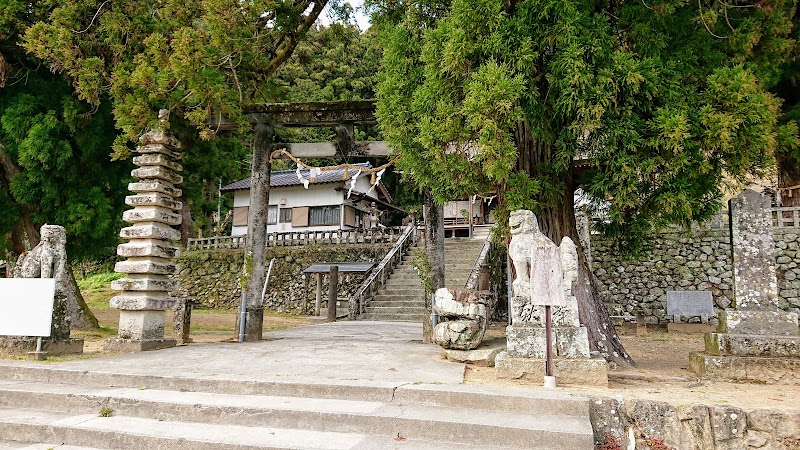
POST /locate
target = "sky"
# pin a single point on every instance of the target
(361, 19)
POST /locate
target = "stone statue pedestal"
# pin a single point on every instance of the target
(754, 341)
(761, 346)
(582, 371)
(546, 274)
(22, 346)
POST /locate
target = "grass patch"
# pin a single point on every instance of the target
(102, 333)
(96, 289)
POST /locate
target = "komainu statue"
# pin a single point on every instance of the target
(49, 260)
(466, 318)
(524, 230)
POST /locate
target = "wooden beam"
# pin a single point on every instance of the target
(314, 114)
(329, 149)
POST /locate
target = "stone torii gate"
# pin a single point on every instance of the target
(344, 116)
(145, 291)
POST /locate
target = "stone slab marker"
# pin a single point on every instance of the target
(755, 340)
(526, 336)
(144, 293)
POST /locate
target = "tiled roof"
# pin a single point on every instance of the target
(289, 178)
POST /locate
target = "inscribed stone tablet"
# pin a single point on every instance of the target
(26, 306)
(690, 304)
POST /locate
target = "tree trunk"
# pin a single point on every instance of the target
(81, 317)
(434, 250)
(255, 263)
(556, 220)
(24, 230)
(186, 219)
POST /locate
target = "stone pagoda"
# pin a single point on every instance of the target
(526, 336)
(755, 340)
(144, 293)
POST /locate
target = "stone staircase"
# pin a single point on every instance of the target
(70, 409)
(401, 298)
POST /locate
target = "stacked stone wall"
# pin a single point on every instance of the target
(679, 260)
(787, 253)
(685, 260)
(210, 278)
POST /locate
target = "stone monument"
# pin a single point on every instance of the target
(48, 260)
(544, 269)
(144, 293)
(466, 318)
(755, 340)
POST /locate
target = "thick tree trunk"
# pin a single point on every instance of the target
(556, 220)
(24, 230)
(257, 230)
(81, 317)
(434, 250)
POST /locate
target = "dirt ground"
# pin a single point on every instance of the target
(662, 373)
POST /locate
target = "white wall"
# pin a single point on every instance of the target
(315, 195)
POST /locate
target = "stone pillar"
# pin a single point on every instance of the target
(755, 340)
(144, 293)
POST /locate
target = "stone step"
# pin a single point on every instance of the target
(394, 310)
(11, 445)
(407, 291)
(152, 418)
(384, 297)
(378, 305)
(464, 396)
(385, 317)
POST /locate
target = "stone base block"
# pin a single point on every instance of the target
(132, 301)
(483, 356)
(132, 346)
(779, 323)
(141, 325)
(582, 371)
(21, 346)
(753, 345)
(529, 342)
(746, 368)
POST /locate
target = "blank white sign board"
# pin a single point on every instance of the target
(26, 306)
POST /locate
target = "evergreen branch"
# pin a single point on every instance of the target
(290, 40)
(93, 19)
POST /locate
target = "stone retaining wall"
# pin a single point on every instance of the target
(699, 259)
(660, 425)
(211, 277)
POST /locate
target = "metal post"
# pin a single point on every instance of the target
(434, 315)
(333, 292)
(243, 317)
(318, 305)
(549, 379)
(266, 280)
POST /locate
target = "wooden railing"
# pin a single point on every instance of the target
(474, 275)
(377, 278)
(298, 238)
(786, 217)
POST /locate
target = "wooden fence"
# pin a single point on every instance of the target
(299, 238)
(786, 217)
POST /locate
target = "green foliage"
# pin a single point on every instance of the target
(421, 265)
(663, 100)
(66, 176)
(192, 57)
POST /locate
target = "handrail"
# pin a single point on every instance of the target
(472, 279)
(377, 278)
